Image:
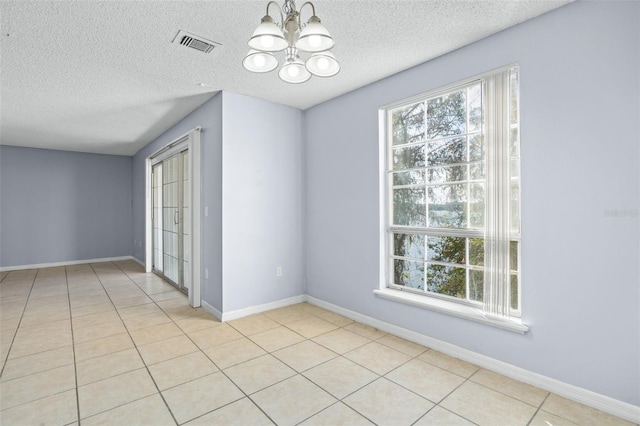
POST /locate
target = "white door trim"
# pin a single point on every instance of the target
(192, 142)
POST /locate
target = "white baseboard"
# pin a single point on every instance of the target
(210, 309)
(67, 263)
(239, 313)
(138, 261)
(601, 402)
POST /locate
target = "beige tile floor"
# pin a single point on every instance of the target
(108, 344)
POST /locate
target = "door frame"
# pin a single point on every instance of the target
(192, 142)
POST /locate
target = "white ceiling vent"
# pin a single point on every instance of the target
(195, 42)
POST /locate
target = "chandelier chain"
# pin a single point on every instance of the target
(289, 7)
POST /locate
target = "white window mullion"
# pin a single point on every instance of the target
(497, 214)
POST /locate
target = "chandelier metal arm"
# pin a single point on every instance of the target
(291, 12)
(279, 10)
(313, 9)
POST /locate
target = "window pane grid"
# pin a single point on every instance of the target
(437, 264)
(426, 165)
(411, 271)
(436, 178)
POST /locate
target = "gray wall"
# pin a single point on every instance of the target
(579, 68)
(252, 184)
(60, 206)
(209, 117)
(262, 202)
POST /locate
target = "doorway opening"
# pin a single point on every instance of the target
(173, 215)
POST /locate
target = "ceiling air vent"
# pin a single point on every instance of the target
(195, 42)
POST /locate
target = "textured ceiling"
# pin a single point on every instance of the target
(104, 77)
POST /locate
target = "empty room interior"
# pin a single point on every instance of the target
(385, 212)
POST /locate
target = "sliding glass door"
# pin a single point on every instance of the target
(170, 189)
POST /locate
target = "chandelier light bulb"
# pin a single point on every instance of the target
(315, 41)
(314, 37)
(268, 37)
(293, 71)
(267, 41)
(260, 62)
(323, 63)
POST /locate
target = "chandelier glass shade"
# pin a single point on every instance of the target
(323, 64)
(294, 72)
(257, 61)
(268, 37)
(314, 37)
(293, 37)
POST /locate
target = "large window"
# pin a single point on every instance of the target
(453, 194)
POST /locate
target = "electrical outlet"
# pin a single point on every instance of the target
(206, 273)
(279, 271)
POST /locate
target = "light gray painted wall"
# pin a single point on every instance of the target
(209, 117)
(252, 184)
(580, 92)
(262, 202)
(61, 206)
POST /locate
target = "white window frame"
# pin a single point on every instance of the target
(190, 141)
(479, 312)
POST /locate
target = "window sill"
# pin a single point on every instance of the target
(450, 308)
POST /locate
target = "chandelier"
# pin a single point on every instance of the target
(292, 37)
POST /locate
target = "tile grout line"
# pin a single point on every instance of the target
(505, 394)
(538, 409)
(228, 378)
(437, 404)
(248, 396)
(338, 400)
(73, 348)
(379, 376)
(6, 358)
(36, 353)
(306, 339)
(203, 353)
(135, 345)
(415, 357)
